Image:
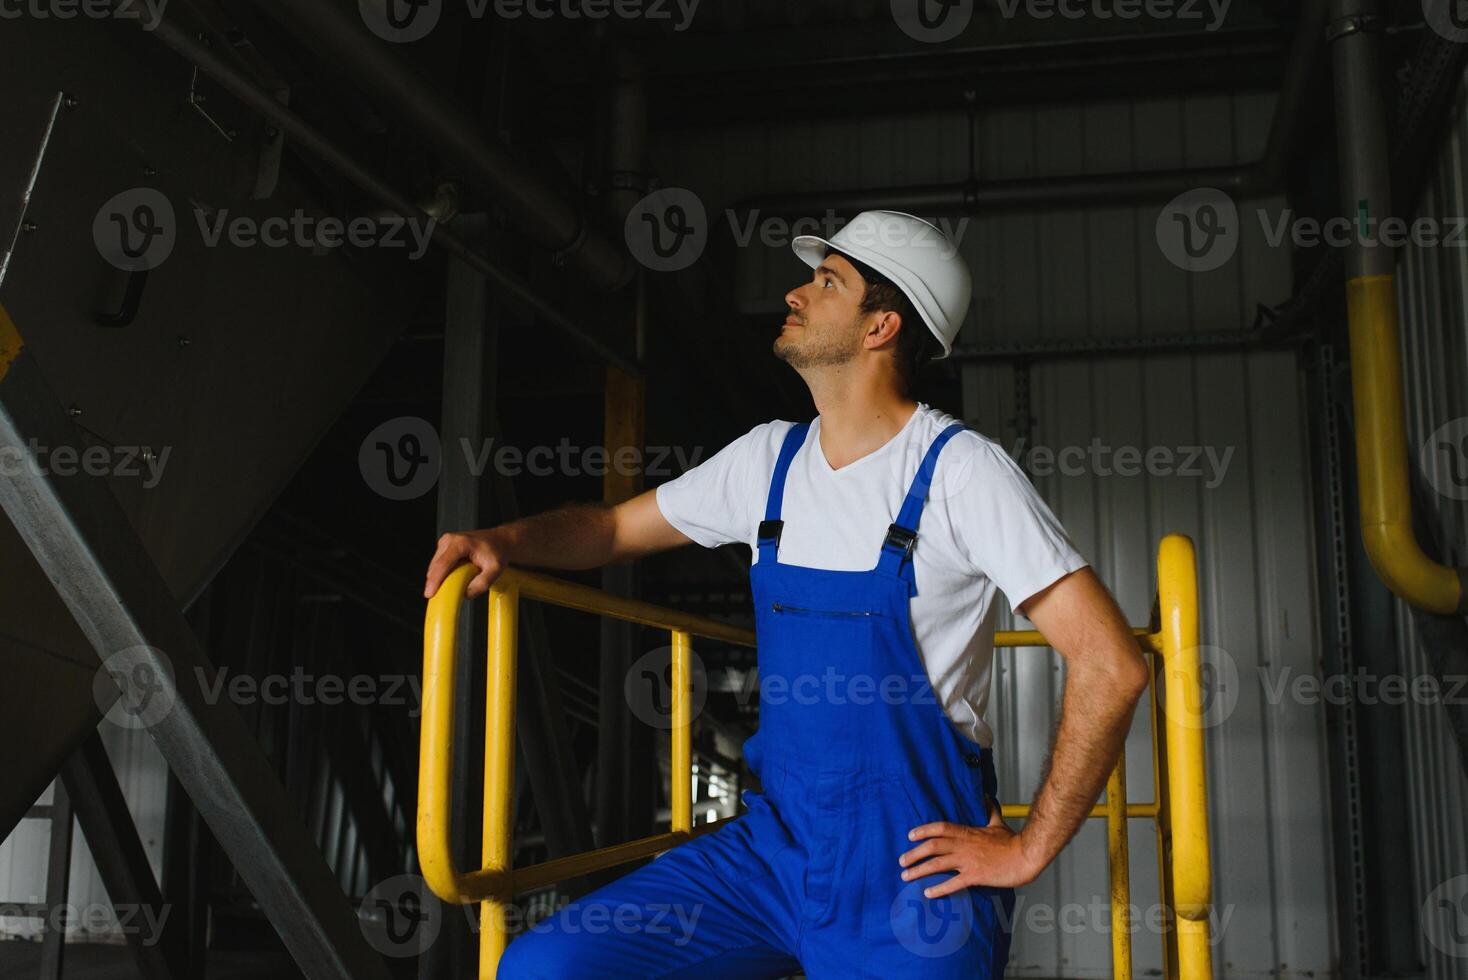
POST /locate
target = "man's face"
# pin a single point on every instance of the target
(825, 323)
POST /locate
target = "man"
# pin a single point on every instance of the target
(875, 846)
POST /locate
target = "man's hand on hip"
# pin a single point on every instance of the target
(993, 855)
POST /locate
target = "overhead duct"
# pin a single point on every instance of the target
(317, 145)
(336, 32)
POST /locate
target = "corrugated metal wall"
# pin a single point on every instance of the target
(1244, 501)
(1433, 296)
(1250, 521)
(1094, 273)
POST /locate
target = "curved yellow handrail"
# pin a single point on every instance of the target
(1180, 807)
(1187, 785)
(436, 745)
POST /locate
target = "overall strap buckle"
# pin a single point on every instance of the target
(901, 538)
(769, 532)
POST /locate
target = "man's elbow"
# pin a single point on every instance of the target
(1133, 675)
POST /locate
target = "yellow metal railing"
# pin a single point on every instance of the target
(1179, 812)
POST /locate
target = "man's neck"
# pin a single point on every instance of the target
(855, 423)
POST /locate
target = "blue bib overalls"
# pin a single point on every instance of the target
(853, 751)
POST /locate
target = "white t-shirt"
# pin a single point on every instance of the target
(983, 527)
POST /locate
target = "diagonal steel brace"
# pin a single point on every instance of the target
(86, 545)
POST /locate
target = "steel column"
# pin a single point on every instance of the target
(470, 387)
(58, 883)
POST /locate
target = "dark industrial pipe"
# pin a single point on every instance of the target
(310, 140)
(1263, 176)
(336, 32)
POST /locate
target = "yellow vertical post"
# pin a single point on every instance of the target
(624, 424)
(1162, 823)
(499, 769)
(1177, 592)
(681, 749)
(11, 343)
(1120, 867)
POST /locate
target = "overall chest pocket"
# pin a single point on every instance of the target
(789, 609)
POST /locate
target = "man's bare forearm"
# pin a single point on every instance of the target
(1096, 713)
(574, 536)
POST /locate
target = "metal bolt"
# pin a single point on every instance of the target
(183, 341)
(75, 410)
(28, 226)
(149, 172)
(70, 101)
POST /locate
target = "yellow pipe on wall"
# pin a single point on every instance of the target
(1382, 456)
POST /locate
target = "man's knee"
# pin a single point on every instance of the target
(538, 955)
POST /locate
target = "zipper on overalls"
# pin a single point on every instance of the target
(781, 607)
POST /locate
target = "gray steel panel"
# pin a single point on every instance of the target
(1433, 298)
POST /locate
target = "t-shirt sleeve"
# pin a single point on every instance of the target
(1007, 530)
(719, 500)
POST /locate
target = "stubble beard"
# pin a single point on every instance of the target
(824, 350)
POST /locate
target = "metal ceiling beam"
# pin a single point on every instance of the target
(85, 542)
(1261, 176)
(703, 81)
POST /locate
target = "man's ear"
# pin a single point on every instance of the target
(886, 327)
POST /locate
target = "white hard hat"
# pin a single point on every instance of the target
(920, 260)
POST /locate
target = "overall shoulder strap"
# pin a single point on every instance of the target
(902, 533)
(769, 529)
